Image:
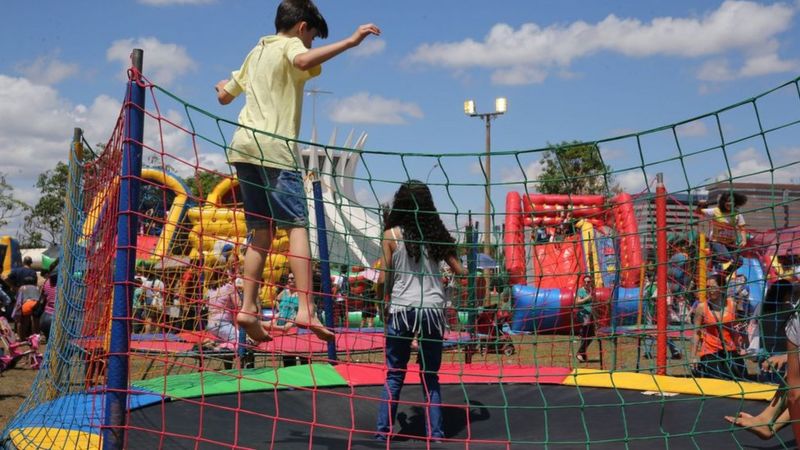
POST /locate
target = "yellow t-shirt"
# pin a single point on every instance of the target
(273, 89)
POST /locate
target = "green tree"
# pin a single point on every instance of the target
(574, 168)
(202, 181)
(10, 207)
(46, 217)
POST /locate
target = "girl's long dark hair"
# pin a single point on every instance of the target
(413, 210)
(724, 201)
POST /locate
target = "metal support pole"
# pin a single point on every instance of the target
(487, 225)
(125, 261)
(324, 262)
(661, 275)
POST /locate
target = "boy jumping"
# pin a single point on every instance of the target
(272, 77)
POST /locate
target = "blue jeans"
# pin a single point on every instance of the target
(271, 194)
(398, 352)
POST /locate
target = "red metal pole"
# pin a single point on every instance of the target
(661, 275)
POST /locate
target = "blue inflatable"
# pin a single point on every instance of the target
(625, 306)
(538, 310)
(756, 281)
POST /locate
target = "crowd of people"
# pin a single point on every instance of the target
(409, 293)
(28, 297)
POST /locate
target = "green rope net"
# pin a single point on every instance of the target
(607, 305)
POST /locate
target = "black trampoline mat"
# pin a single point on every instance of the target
(490, 416)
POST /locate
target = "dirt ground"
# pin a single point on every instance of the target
(15, 385)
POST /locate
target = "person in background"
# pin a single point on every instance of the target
(139, 312)
(6, 299)
(369, 307)
(341, 294)
(49, 294)
(715, 349)
(777, 310)
(222, 301)
(287, 305)
(583, 301)
(649, 299)
(190, 294)
(728, 235)
(24, 288)
(793, 371)
(153, 291)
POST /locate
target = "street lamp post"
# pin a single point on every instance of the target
(500, 107)
(430, 172)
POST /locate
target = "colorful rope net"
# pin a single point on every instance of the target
(146, 351)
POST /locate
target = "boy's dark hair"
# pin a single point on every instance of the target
(292, 12)
(413, 210)
(724, 201)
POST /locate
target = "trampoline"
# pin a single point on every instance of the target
(320, 406)
(478, 416)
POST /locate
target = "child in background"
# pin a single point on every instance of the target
(415, 241)
(272, 77)
(728, 235)
(222, 301)
(583, 301)
(288, 304)
(714, 344)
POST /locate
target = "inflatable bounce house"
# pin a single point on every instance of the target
(553, 241)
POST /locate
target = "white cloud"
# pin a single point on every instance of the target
(47, 70)
(611, 153)
(369, 47)
(717, 69)
(766, 64)
(528, 54)
(476, 168)
(692, 129)
(632, 181)
(532, 172)
(176, 2)
(751, 166)
(163, 62)
(519, 75)
(36, 133)
(368, 108)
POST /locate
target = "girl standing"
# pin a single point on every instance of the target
(415, 241)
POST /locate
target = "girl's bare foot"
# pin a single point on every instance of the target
(752, 424)
(252, 326)
(310, 322)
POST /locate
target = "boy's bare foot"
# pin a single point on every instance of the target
(252, 326)
(310, 322)
(752, 424)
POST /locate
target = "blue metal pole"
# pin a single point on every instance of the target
(127, 225)
(325, 264)
(472, 288)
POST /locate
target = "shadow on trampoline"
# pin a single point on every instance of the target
(412, 426)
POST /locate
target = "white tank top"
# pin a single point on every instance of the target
(414, 284)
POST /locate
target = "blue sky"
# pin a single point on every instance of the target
(571, 70)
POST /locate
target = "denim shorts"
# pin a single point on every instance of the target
(272, 194)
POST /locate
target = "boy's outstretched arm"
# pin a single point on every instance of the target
(223, 97)
(317, 56)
